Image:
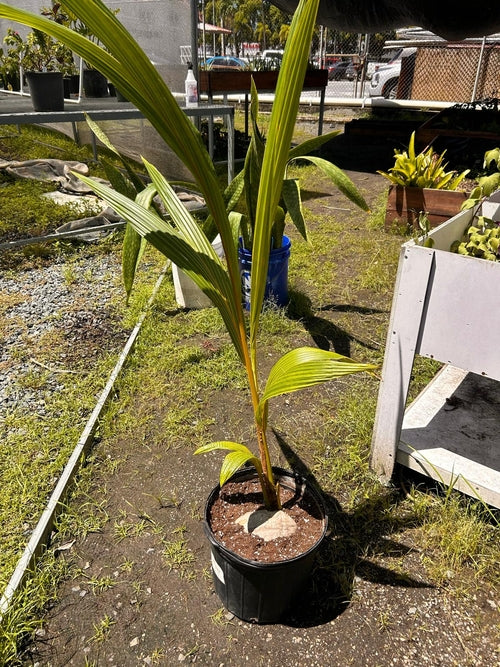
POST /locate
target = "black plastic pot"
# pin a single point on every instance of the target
(94, 83)
(71, 85)
(11, 82)
(120, 97)
(261, 592)
(46, 90)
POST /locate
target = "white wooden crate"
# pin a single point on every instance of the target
(445, 307)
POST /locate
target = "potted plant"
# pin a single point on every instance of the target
(290, 204)
(269, 586)
(10, 60)
(421, 184)
(64, 56)
(45, 61)
(41, 65)
(95, 83)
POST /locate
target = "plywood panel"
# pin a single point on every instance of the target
(451, 433)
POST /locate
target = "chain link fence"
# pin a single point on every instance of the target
(409, 65)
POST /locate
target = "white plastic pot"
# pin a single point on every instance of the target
(187, 293)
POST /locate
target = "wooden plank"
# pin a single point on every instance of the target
(213, 82)
(414, 272)
(405, 204)
(451, 433)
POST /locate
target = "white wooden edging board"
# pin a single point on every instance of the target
(445, 307)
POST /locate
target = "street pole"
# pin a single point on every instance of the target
(194, 37)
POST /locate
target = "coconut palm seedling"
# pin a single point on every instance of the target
(180, 238)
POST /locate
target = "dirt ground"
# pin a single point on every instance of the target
(376, 608)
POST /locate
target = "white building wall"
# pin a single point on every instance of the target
(160, 26)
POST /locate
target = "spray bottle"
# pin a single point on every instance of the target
(191, 88)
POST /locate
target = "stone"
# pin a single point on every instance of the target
(268, 525)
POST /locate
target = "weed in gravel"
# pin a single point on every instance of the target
(156, 656)
(127, 565)
(125, 529)
(218, 618)
(100, 584)
(8, 300)
(69, 273)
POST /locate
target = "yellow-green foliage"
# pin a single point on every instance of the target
(423, 170)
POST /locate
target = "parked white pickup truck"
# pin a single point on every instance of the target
(385, 79)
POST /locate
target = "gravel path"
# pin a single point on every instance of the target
(40, 309)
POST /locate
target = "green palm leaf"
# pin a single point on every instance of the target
(311, 144)
(276, 153)
(293, 204)
(340, 179)
(234, 461)
(306, 367)
(133, 243)
(199, 262)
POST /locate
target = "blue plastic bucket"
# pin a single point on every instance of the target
(277, 274)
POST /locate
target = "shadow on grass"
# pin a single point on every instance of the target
(342, 557)
(325, 333)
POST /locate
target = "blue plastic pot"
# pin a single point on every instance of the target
(277, 274)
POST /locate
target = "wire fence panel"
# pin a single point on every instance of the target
(418, 67)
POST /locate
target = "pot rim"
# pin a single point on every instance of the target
(286, 246)
(248, 473)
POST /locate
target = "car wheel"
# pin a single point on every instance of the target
(391, 89)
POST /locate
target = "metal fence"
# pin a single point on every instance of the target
(409, 65)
